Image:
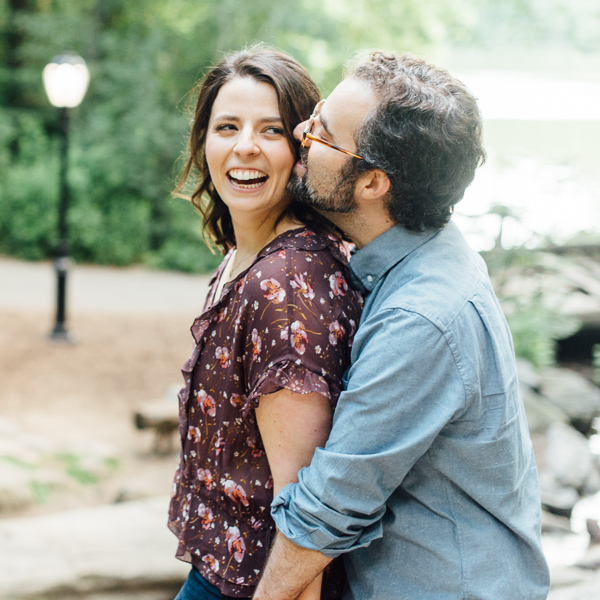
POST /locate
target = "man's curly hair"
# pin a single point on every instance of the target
(424, 133)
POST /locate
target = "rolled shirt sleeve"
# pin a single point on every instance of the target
(403, 387)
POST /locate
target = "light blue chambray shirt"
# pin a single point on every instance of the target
(428, 483)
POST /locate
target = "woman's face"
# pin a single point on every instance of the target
(248, 155)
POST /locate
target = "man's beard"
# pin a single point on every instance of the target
(336, 193)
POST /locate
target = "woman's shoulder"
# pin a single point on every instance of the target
(303, 268)
(306, 247)
(299, 251)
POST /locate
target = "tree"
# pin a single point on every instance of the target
(144, 60)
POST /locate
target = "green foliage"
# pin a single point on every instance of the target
(76, 467)
(17, 462)
(73, 468)
(535, 329)
(584, 238)
(27, 219)
(596, 363)
(40, 491)
(520, 277)
(185, 249)
(131, 128)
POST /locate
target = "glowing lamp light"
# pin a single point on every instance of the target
(66, 78)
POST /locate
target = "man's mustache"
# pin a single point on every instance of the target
(304, 156)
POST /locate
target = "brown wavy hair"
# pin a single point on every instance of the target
(297, 95)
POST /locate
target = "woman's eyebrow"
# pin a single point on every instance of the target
(225, 117)
(271, 120)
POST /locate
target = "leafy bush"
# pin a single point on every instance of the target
(524, 281)
(536, 328)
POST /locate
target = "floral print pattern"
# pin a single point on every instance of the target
(286, 322)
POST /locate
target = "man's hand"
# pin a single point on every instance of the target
(289, 570)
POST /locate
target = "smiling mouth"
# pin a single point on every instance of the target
(247, 179)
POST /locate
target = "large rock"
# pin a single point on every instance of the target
(555, 524)
(89, 550)
(569, 460)
(528, 375)
(573, 394)
(15, 487)
(32, 468)
(540, 412)
(556, 498)
(581, 585)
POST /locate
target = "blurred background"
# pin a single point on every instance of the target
(68, 441)
(534, 65)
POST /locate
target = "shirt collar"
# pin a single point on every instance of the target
(369, 264)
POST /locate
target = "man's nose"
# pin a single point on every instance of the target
(299, 131)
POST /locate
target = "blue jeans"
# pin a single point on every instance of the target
(197, 588)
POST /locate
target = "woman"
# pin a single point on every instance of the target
(274, 338)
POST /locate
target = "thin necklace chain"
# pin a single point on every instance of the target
(242, 261)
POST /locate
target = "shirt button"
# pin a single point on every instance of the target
(369, 278)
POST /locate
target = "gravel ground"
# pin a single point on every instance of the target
(132, 327)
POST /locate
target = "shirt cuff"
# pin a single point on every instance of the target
(308, 523)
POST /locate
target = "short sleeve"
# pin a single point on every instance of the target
(300, 320)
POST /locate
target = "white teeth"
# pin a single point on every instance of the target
(248, 186)
(243, 175)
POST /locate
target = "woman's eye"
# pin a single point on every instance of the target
(226, 127)
(275, 130)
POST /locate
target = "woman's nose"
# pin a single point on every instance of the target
(246, 144)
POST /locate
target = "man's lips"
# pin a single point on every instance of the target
(304, 156)
(299, 168)
(301, 165)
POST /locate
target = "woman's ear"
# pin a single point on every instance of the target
(373, 185)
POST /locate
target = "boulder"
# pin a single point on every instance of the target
(570, 583)
(540, 412)
(91, 550)
(591, 560)
(568, 459)
(592, 483)
(161, 416)
(15, 487)
(573, 394)
(557, 499)
(32, 468)
(555, 524)
(528, 375)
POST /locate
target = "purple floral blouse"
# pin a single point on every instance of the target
(286, 322)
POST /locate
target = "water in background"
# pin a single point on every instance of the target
(542, 137)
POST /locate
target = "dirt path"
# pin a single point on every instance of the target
(133, 332)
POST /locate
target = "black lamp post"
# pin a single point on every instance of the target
(66, 79)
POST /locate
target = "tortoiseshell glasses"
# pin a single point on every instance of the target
(307, 135)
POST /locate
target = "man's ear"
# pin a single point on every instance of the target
(373, 185)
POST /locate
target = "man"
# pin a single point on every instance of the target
(427, 484)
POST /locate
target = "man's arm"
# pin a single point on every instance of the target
(403, 388)
(289, 570)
